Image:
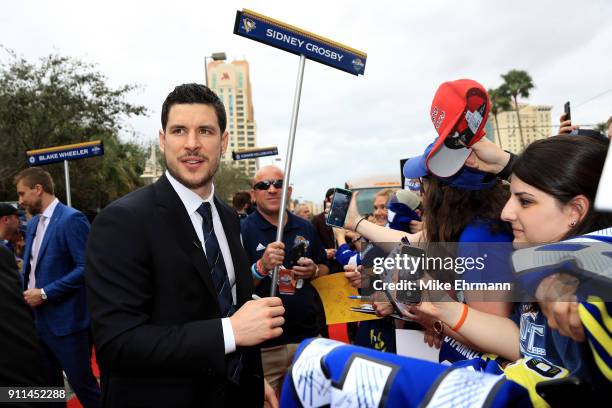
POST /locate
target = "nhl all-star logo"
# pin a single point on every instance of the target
(248, 24)
(358, 64)
(32, 160)
(95, 149)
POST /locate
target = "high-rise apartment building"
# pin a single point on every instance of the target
(232, 83)
(535, 122)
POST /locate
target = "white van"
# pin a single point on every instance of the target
(369, 186)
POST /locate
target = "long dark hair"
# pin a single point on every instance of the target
(567, 166)
(448, 210)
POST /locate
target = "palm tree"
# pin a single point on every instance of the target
(518, 82)
(500, 102)
(602, 127)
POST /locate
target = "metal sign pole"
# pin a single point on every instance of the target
(294, 117)
(67, 175)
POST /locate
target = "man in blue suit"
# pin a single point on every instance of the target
(53, 279)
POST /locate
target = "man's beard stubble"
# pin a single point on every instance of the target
(208, 177)
(35, 208)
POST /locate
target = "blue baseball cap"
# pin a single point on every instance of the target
(401, 210)
(466, 178)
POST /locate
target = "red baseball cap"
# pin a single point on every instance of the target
(459, 113)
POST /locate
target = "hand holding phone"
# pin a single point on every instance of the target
(567, 110)
(339, 207)
(397, 306)
(298, 251)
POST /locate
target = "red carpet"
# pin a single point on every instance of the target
(336, 332)
(74, 402)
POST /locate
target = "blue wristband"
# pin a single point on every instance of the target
(256, 274)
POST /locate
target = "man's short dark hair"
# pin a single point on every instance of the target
(35, 175)
(194, 93)
(240, 199)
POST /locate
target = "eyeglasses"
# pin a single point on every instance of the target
(265, 184)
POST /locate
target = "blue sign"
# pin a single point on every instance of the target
(56, 154)
(253, 153)
(297, 41)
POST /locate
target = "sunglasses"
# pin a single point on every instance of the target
(265, 184)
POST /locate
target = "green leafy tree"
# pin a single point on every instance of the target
(60, 100)
(518, 83)
(229, 180)
(602, 127)
(500, 102)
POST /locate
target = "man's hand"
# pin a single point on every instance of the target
(488, 157)
(431, 338)
(565, 126)
(416, 226)
(305, 268)
(352, 235)
(352, 215)
(339, 235)
(353, 274)
(270, 400)
(257, 321)
(555, 295)
(383, 309)
(33, 297)
(273, 256)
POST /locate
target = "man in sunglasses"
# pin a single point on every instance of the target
(304, 316)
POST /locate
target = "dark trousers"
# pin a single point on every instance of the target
(72, 354)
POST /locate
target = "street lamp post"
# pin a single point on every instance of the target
(215, 56)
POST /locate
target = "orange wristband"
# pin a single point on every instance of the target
(461, 320)
(260, 268)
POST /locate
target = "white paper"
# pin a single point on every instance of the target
(410, 343)
(603, 201)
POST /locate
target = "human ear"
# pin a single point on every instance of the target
(578, 208)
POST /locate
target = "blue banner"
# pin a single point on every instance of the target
(253, 153)
(56, 154)
(297, 41)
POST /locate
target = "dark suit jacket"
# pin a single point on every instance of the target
(155, 314)
(60, 270)
(21, 361)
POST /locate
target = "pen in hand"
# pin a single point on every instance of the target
(366, 298)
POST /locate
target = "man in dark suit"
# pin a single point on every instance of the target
(20, 353)
(53, 276)
(169, 283)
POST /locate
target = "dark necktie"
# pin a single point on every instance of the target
(215, 262)
(221, 282)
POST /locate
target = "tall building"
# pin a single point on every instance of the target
(153, 168)
(535, 122)
(232, 83)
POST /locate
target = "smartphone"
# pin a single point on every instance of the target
(568, 113)
(339, 207)
(298, 251)
(413, 296)
(566, 392)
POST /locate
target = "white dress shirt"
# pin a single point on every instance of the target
(41, 228)
(192, 202)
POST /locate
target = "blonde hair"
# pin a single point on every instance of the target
(385, 192)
